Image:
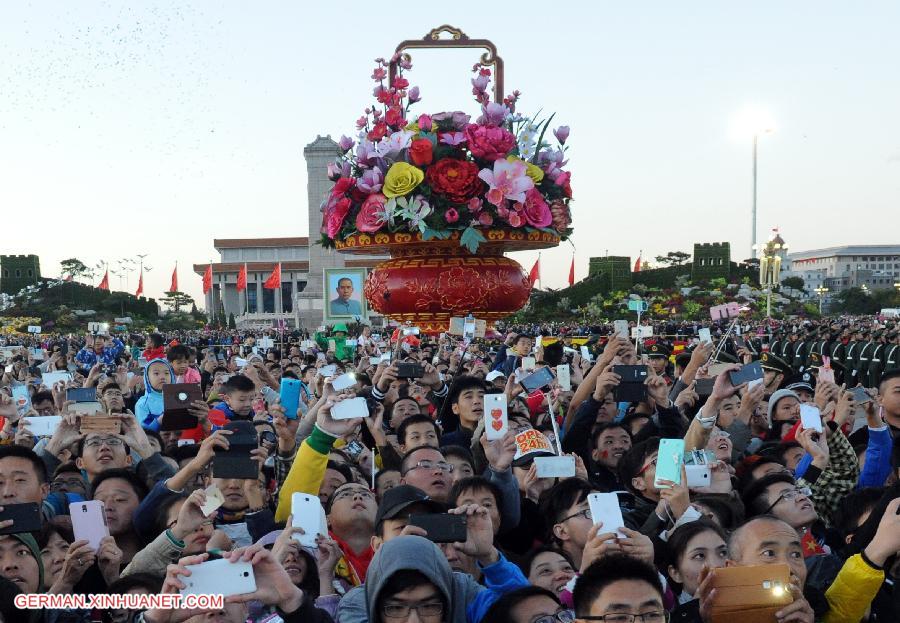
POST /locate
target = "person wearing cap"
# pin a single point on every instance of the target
(20, 561)
(658, 356)
(775, 369)
(804, 385)
(865, 358)
(854, 348)
(395, 509)
(877, 360)
(892, 352)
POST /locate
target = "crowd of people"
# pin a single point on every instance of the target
(795, 517)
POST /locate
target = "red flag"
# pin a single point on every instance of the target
(207, 279)
(140, 289)
(174, 286)
(535, 273)
(572, 272)
(637, 265)
(242, 279)
(274, 280)
(104, 283)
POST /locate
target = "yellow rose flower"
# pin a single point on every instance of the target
(401, 179)
(533, 171)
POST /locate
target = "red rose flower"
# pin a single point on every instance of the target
(537, 212)
(455, 179)
(335, 215)
(489, 143)
(370, 217)
(420, 152)
(394, 117)
(342, 185)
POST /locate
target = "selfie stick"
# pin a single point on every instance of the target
(554, 425)
(721, 345)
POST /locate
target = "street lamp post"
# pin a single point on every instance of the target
(821, 291)
(770, 270)
(756, 132)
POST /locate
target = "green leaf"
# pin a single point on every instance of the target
(432, 234)
(470, 239)
(541, 138)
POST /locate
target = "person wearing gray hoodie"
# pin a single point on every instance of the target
(427, 580)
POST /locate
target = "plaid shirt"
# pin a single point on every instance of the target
(836, 480)
(282, 468)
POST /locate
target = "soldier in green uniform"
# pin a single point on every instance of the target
(803, 348)
(851, 357)
(775, 370)
(790, 348)
(877, 359)
(866, 346)
(658, 355)
(892, 351)
(777, 342)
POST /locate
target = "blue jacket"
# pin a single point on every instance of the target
(88, 357)
(878, 458)
(149, 407)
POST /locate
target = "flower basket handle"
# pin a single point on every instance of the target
(458, 39)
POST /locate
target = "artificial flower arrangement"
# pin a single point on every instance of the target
(439, 173)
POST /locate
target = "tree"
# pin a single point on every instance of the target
(796, 283)
(75, 268)
(854, 301)
(674, 258)
(177, 300)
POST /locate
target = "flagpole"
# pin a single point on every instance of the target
(540, 281)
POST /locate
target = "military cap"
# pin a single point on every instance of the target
(776, 363)
(659, 350)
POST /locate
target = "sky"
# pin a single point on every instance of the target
(154, 127)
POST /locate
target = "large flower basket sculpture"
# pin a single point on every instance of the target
(445, 196)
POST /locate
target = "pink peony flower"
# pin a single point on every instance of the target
(489, 143)
(458, 119)
(424, 122)
(486, 219)
(414, 96)
(537, 212)
(451, 215)
(508, 180)
(371, 215)
(475, 205)
(515, 219)
(346, 143)
(335, 215)
(493, 114)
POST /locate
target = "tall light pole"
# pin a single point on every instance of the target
(821, 291)
(770, 270)
(756, 132)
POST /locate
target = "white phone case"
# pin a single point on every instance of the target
(350, 408)
(528, 363)
(586, 353)
(343, 382)
(705, 335)
(605, 509)
(811, 418)
(219, 577)
(89, 521)
(555, 466)
(563, 377)
(496, 417)
(328, 370)
(307, 513)
(620, 328)
(698, 475)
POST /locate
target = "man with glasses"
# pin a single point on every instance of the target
(427, 469)
(778, 494)
(529, 605)
(620, 589)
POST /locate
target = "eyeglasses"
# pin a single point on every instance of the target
(645, 468)
(96, 442)
(790, 495)
(657, 616)
(349, 493)
(439, 465)
(427, 609)
(563, 616)
(174, 522)
(586, 513)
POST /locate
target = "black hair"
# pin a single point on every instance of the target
(289, 374)
(181, 453)
(605, 426)
(179, 351)
(401, 580)
(633, 460)
(783, 447)
(40, 469)
(237, 383)
(755, 499)
(745, 468)
(679, 538)
(853, 507)
(523, 336)
(156, 340)
(461, 384)
(501, 610)
(607, 570)
(110, 385)
(66, 468)
(528, 561)
(42, 396)
(632, 417)
(47, 530)
(559, 499)
(342, 469)
(415, 419)
(405, 459)
(889, 375)
(727, 508)
(137, 485)
(163, 510)
(381, 472)
(474, 483)
(148, 581)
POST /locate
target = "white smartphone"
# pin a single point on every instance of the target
(350, 408)
(327, 371)
(43, 426)
(554, 466)
(89, 522)
(343, 382)
(528, 363)
(496, 417)
(811, 418)
(240, 363)
(605, 509)
(698, 475)
(219, 577)
(374, 361)
(620, 328)
(411, 331)
(214, 499)
(50, 378)
(705, 335)
(307, 513)
(563, 377)
(586, 353)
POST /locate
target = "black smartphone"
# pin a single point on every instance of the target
(704, 387)
(631, 388)
(354, 449)
(236, 462)
(81, 394)
(177, 399)
(441, 527)
(408, 370)
(750, 372)
(26, 518)
(860, 395)
(537, 379)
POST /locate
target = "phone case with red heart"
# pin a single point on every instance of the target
(496, 421)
